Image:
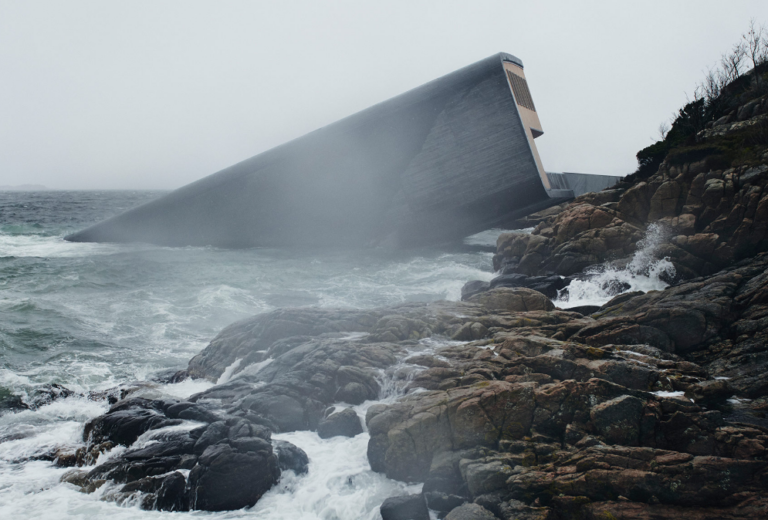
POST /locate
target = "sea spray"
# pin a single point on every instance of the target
(644, 272)
(94, 317)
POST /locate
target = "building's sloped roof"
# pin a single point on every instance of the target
(436, 163)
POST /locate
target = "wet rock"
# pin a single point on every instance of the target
(343, 423)
(10, 401)
(547, 285)
(355, 385)
(407, 507)
(249, 340)
(310, 373)
(473, 287)
(125, 421)
(170, 376)
(405, 436)
(224, 479)
(212, 434)
(513, 300)
(470, 512)
(247, 444)
(709, 392)
(584, 310)
(76, 477)
(49, 393)
(189, 412)
(172, 494)
(122, 470)
(291, 457)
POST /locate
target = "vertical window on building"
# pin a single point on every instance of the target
(520, 90)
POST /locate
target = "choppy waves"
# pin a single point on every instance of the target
(93, 316)
(644, 272)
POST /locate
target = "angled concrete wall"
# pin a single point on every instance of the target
(437, 163)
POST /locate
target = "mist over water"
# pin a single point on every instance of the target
(93, 316)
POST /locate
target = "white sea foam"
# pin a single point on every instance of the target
(21, 246)
(645, 272)
(227, 374)
(339, 485)
(666, 393)
(92, 317)
(186, 388)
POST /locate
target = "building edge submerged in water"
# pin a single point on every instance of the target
(447, 159)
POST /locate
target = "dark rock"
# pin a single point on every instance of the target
(246, 444)
(355, 385)
(473, 287)
(240, 427)
(190, 412)
(618, 420)
(513, 300)
(122, 470)
(470, 512)
(345, 423)
(76, 477)
(749, 508)
(172, 494)
(224, 479)
(251, 339)
(291, 457)
(170, 376)
(407, 507)
(584, 310)
(213, 434)
(709, 392)
(406, 436)
(125, 421)
(287, 412)
(547, 285)
(173, 443)
(11, 402)
(48, 393)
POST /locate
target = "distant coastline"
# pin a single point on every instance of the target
(24, 187)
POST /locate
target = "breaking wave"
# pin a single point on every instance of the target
(644, 272)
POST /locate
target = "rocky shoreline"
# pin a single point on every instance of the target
(504, 406)
(651, 407)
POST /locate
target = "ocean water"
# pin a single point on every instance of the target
(93, 316)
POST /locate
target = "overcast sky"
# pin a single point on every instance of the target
(156, 94)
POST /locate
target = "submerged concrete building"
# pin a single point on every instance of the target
(444, 160)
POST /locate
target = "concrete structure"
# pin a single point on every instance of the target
(435, 164)
(580, 183)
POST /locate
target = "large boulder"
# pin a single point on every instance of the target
(473, 287)
(407, 507)
(225, 479)
(291, 457)
(406, 436)
(470, 512)
(343, 423)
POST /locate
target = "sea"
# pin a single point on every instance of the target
(92, 317)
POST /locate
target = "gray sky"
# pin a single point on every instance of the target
(156, 94)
